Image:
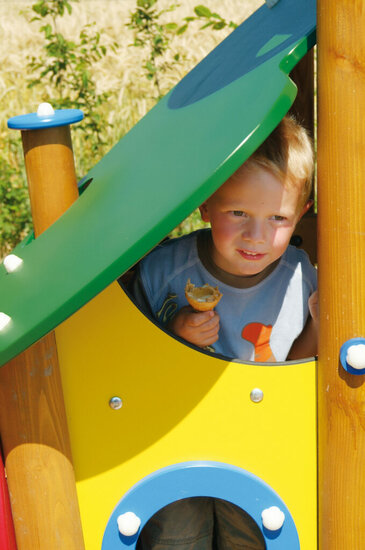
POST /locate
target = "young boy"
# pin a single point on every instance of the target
(265, 283)
(263, 314)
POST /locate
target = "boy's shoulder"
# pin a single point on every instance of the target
(296, 260)
(179, 246)
(167, 266)
(294, 255)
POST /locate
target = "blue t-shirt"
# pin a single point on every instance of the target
(259, 323)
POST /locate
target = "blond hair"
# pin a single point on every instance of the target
(288, 154)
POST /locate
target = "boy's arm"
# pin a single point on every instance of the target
(306, 345)
(198, 328)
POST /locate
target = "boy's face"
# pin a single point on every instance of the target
(253, 216)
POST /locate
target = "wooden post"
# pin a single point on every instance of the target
(341, 211)
(51, 174)
(33, 424)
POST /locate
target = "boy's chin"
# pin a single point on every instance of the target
(252, 270)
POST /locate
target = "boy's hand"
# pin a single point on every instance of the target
(313, 306)
(199, 328)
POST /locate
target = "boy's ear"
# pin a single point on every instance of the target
(305, 209)
(204, 212)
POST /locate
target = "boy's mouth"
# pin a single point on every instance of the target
(248, 255)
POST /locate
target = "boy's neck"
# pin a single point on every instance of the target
(205, 245)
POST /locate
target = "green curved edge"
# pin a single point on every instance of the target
(167, 165)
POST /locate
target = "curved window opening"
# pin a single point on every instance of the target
(201, 522)
(274, 318)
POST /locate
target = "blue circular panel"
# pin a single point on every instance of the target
(33, 121)
(196, 479)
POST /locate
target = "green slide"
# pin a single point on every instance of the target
(169, 163)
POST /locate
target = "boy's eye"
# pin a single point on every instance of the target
(278, 218)
(239, 213)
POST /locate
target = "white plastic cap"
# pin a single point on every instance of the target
(45, 109)
(12, 263)
(272, 518)
(4, 320)
(128, 524)
(356, 356)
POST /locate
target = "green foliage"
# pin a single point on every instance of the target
(153, 35)
(191, 223)
(66, 66)
(14, 200)
(210, 19)
(53, 7)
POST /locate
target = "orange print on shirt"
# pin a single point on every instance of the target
(259, 335)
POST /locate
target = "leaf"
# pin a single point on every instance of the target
(181, 30)
(219, 26)
(202, 11)
(171, 26)
(85, 79)
(157, 40)
(68, 7)
(151, 68)
(47, 29)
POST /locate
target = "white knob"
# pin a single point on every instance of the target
(45, 109)
(356, 356)
(4, 320)
(272, 518)
(12, 262)
(128, 524)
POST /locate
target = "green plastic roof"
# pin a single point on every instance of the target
(167, 165)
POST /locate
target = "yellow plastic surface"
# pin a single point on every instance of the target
(178, 405)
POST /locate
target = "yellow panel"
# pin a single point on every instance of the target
(178, 405)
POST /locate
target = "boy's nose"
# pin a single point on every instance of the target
(254, 231)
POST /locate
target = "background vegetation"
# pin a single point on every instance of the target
(112, 58)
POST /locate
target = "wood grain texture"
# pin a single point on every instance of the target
(49, 164)
(33, 424)
(341, 227)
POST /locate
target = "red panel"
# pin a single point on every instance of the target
(7, 534)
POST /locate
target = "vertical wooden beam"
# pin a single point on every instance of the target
(33, 424)
(51, 174)
(341, 211)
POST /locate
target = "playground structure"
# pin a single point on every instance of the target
(210, 433)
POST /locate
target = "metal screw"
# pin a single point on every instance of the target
(256, 395)
(115, 403)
